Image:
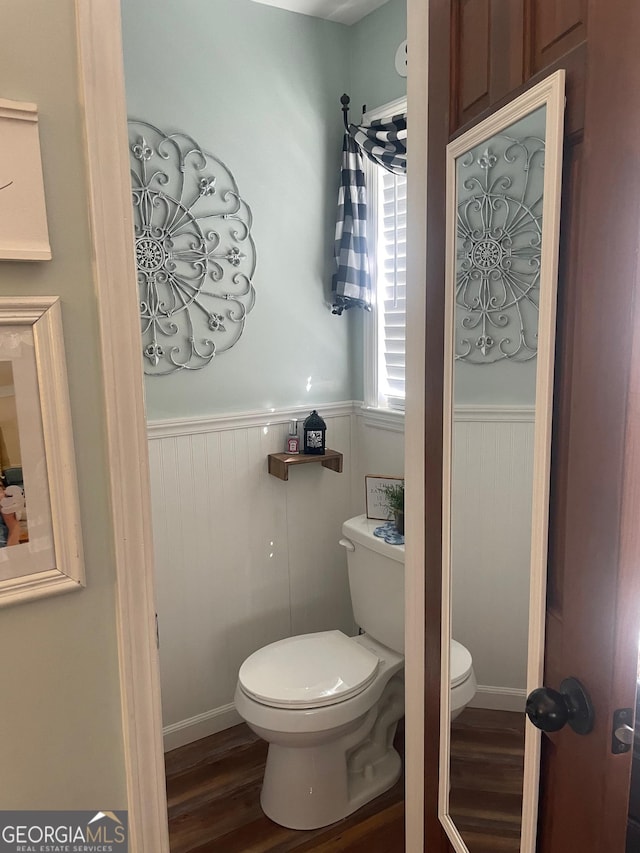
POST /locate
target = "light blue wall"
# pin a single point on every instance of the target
(60, 702)
(500, 384)
(505, 382)
(374, 41)
(261, 89)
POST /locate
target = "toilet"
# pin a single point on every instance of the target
(463, 679)
(328, 705)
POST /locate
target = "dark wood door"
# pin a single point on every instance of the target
(488, 51)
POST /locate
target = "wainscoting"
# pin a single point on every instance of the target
(242, 558)
(491, 536)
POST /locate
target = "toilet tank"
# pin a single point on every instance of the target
(376, 581)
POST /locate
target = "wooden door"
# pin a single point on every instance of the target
(488, 51)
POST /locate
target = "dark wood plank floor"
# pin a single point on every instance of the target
(213, 790)
(487, 760)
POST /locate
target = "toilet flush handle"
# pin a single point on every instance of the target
(346, 543)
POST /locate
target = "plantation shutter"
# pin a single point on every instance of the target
(392, 284)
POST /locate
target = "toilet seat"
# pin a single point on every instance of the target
(461, 664)
(308, 671)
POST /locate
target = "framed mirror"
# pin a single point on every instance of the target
(503, 210)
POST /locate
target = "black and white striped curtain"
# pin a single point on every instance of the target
(351, 282)
(384, 142)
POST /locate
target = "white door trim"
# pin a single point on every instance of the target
(102, 91)
(414, 453)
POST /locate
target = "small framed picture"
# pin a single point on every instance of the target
(375, 484)
(40, 542)
(24, 235)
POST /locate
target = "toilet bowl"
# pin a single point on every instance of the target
(463, 679)
(328, 704)
(329, 716)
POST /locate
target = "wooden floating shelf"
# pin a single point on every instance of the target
(279, 463)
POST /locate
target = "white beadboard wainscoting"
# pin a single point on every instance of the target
(379, 446)
(242, 558)
(491, 547)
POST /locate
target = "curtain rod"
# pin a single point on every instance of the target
(345, 100)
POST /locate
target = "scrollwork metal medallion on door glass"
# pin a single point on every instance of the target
(195, 255)
(503, 208)
(499, 244)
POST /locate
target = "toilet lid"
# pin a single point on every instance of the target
(461, 663)
(308, 671)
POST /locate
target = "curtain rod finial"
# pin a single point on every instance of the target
(345, 100)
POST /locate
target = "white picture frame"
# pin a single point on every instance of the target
(24, 235)
(51, 561)
(376, 502)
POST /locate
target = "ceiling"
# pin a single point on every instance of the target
(341, 11)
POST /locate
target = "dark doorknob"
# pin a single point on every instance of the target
(550, 710)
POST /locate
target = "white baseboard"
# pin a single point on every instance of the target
(499, 698)
(202, 725)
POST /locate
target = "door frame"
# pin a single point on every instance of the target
(101, 72)
(101, 76)
(428, 102)
(414, 435)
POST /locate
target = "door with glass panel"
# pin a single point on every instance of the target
(592, 558)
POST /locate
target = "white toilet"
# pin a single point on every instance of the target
(328, 705)
(463, 679)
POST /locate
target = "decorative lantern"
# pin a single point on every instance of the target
(314, 434)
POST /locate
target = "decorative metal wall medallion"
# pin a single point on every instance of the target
(499, 225)
(195, 255)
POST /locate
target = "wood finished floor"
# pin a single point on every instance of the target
(213, 791)
(487, 760)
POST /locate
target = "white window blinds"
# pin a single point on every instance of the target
(391, 285)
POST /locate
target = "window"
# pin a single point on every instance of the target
(391, 277)
(384, 356)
